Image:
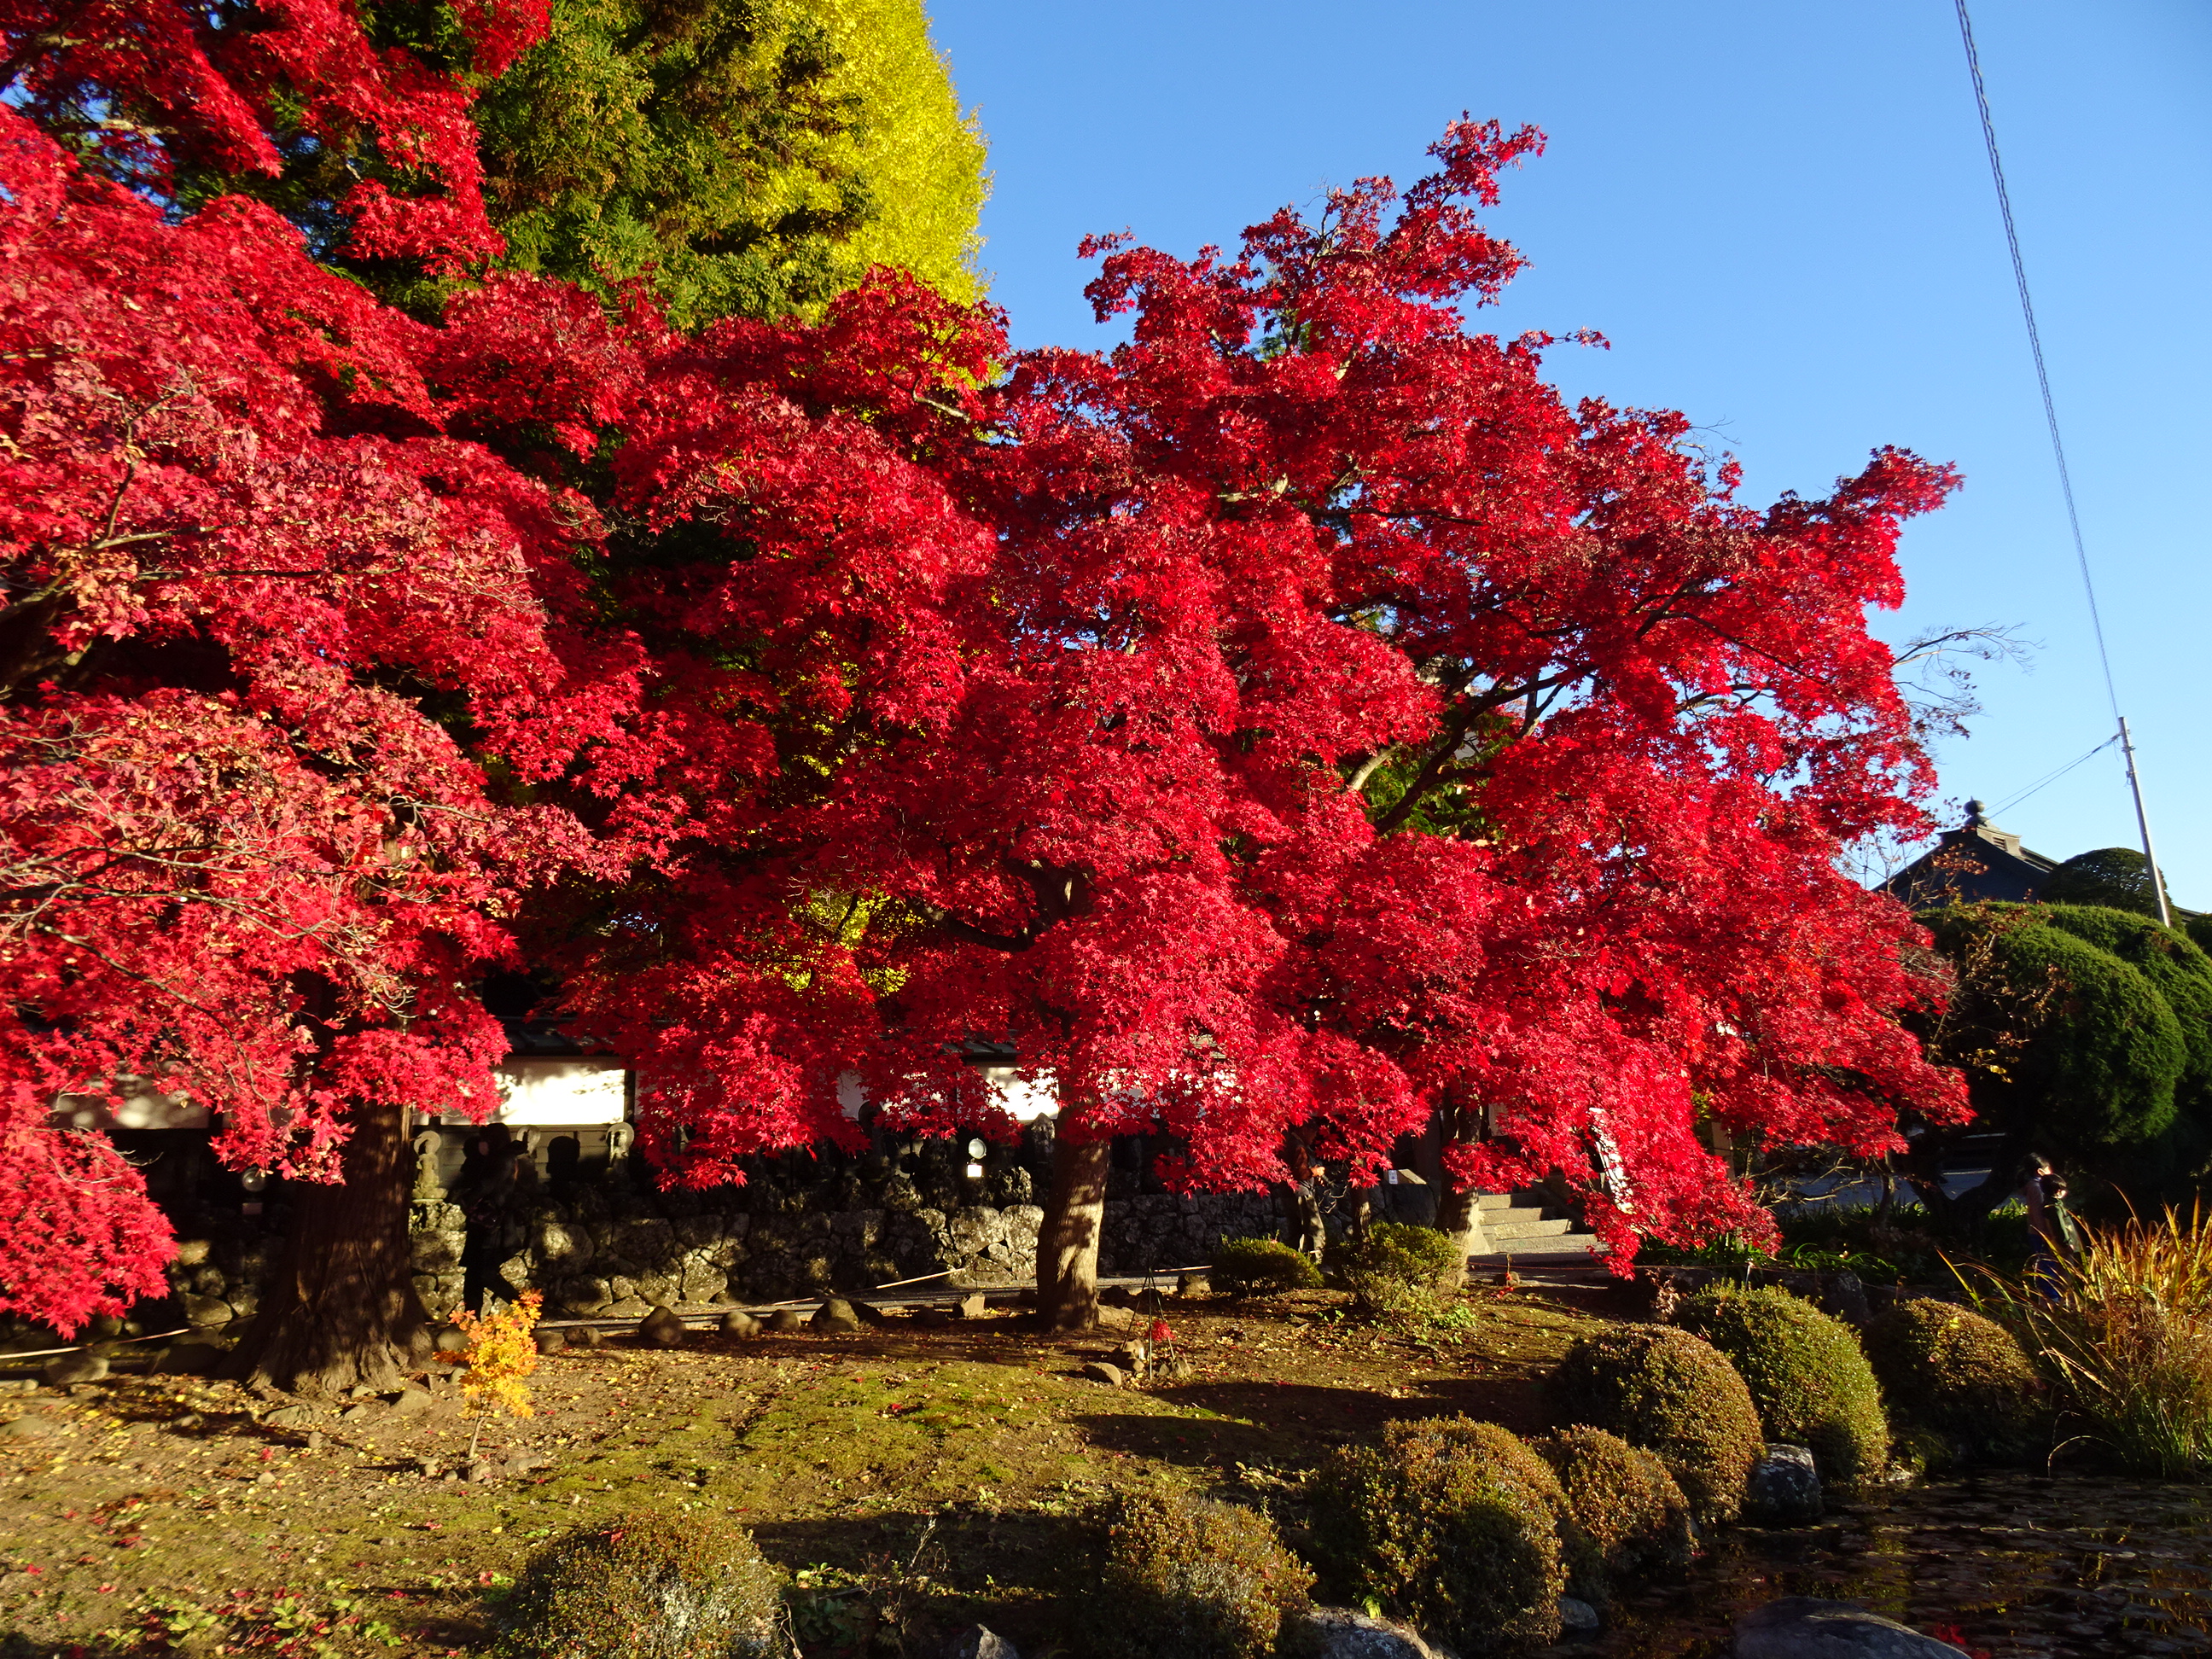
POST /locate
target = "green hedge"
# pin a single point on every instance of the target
(1961, 1386)
(646, 1586)
(1630, 1512)
(1260, 1267)
(1675, 1396)
(1807, 1374)
(1184, 1576)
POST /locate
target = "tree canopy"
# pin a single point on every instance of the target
(1301, 718)
(2086, 1033)
(750, 157)
(2110, 878)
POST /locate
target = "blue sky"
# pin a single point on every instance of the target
(1781, 217)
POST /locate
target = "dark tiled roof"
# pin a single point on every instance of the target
(1976, 861)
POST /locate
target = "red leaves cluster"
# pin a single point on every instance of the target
(1300, 718)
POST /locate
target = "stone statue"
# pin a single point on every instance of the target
(621, 1137)
(427, 1190)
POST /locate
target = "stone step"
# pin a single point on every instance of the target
(1497, 1231)
(1518, 1213)
(1549, 1247)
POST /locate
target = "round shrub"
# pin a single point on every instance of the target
(1807, 1374)
(1675, 1396)
(1185, 1576)
(1630, 1512)
(1959, 1378)
(1452, 1525)
(646, 1586)
(1260, 1267)
(1400, 1272)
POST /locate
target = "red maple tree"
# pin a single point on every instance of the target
(1299, 721)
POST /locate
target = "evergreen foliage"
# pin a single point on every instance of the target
(2067, 1046)
(1675, 1396)
(1400, 1272)
(1958, 1381)
(1188, 1576)
(1260, 1267)
(1630, 1512)
(2110, 878)
(645, 1586)
(1453, 1526)
(1806, 1372)
(747, 157)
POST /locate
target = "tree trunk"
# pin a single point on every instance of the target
(1067, 1245)
(341, 1310)
(1459, 1210)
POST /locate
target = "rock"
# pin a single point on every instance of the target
(451, 1338)
(549, 1342)
(187, 1423)
(586, 1336)
(192, 1252)
(1576, 1614)
(661, 1328)
(975, 1306)
(524, 1463)
(868, 1313)
(207, 1310)
(929, 1318)
(1784, 1489)
(188, 1359)
(83, 1366)
(29, 1426)
(291, 1417)
(1193, 1285)
(432, 1469)
(356, 1413)
(412, 1402)
(737, 1323)
(1807, 1627)
(1099, 1371)
(835, 1314)
(1342, 1633)
(483, 1471)
(786, 1319)
(1116, 1318)
(978, 1643)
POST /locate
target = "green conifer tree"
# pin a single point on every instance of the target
(750, 157)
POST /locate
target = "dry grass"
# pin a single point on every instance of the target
(2124, 1333)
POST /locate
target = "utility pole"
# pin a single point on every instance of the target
(2143, 823)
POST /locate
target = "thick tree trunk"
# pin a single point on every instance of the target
(1067, 1244)
(1459, 1210)
(341, 1310)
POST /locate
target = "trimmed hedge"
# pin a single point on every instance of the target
(1807, 1374)
(1398, 1271)
(1630, 1512)
(1260, 1267)
(1961, 1378)
(1675, 1396)
(646, 1586)
(1452, 1525)
(1185, 1576)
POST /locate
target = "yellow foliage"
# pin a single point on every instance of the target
(502, 1351)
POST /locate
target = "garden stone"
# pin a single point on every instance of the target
(29, 1426)
(661, 1328)
(483, 1471)
(835, 1314)
(83, 1366)
(737, 1323)
(1193, 1285)
(207, 1310)
(412, 1402)
(291, 1417)
(451, 1338)
(786, 1319)
(1577, 1614)
(978, 1643)
(971, 1307)
(1784, 1490)
(587, 1336)
(1099, 1371)
(1116, 1318)
(1807, 1627)
(1341, 1633)
(549, 1342)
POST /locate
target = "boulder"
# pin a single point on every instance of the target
(549, 1342)
(1116, 1318)
(291, 1417)
(835, 1316)
(1342, 1633)
(207, 1310)
(1577, 1614)
(412, 1402)
(978, 1643)
(1807, 1627)
(192, 1252)
(1099, 1371)
(738, 1322)
(83, 1366)
(786, 1320)
(973, 1306)
(29, 1426)
(1784, 1490)
(451, 1338)
(1193, 1285)
(661, 1328)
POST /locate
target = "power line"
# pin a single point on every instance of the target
(2049, 778)
(2058, 450)
(2035, 345)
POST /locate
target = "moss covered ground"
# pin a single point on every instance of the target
(907, 1480)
